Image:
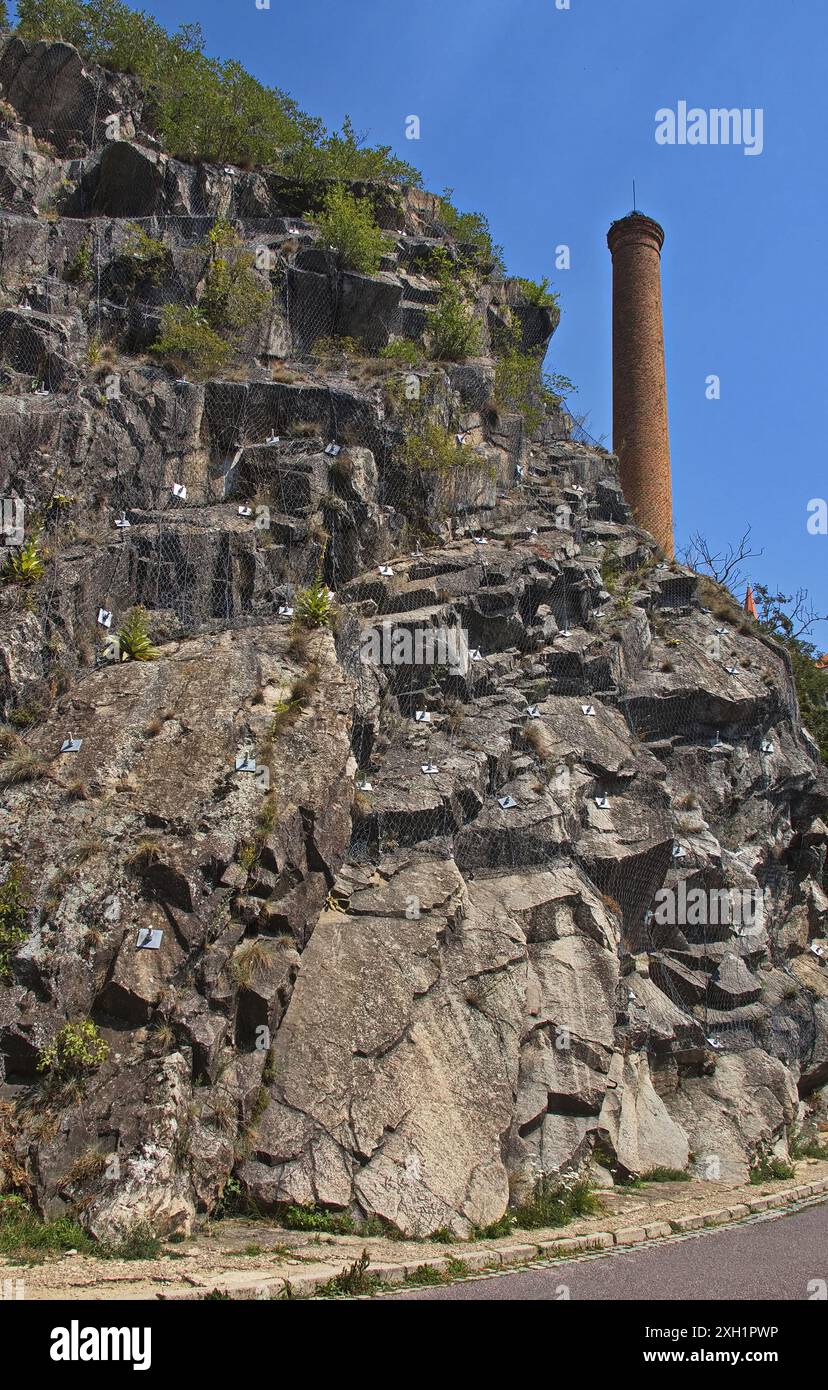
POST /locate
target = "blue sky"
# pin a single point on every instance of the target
(541, 118)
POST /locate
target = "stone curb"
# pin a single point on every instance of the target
(506, 1256)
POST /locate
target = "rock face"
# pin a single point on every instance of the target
(521, 868)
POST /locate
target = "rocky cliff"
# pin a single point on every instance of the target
(361, 882)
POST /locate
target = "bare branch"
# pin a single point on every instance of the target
(724, 565)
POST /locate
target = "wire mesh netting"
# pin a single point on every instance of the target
(499, 616)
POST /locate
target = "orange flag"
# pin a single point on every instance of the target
(750, 606)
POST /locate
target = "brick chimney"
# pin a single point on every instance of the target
(641, 437)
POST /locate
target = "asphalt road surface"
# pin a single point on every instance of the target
(764, 1259)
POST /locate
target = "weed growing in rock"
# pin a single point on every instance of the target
(403, 350)
(146, 257)
(435, 450)
(314, 606)
(138, 1243)
(803, 1145)
(134, 638)
(252, 960)
(25, 565)
(85, 1169)
(348, 224)
(471, 228)
(353, 1281)
(146, 853)
(495, 1229)
(76, 1050)
(79, 269)
(14, 900)
(518, 386)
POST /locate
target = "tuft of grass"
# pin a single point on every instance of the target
(145, 853)
(555, 1202)
(313, 1218)
(24, 1235)
(252, 960)
(426, 1275)
(85, 1169)
(802, 1145)
(139, 1243)
(502, 1227)
(665, 1175)
(22, 767)
(767, 1168)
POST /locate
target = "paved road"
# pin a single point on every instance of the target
(766, 1259)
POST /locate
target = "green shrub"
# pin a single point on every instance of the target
(25, 565)
(555, 387)
(348, 224)
(187, 340)
(146, 256)
(538, 294)
(313, 606)
(76, 1049)
(403, 350)
(435, 262)
(517, 386)
(344, 155)
(454, 332)
(14, 901)
(612, 568)
(79, 269)
(134, 638)
(435, 450)
(555, 1202)
(471, 228)
(234, 297)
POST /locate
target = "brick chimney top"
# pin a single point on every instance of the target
(636, 226)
